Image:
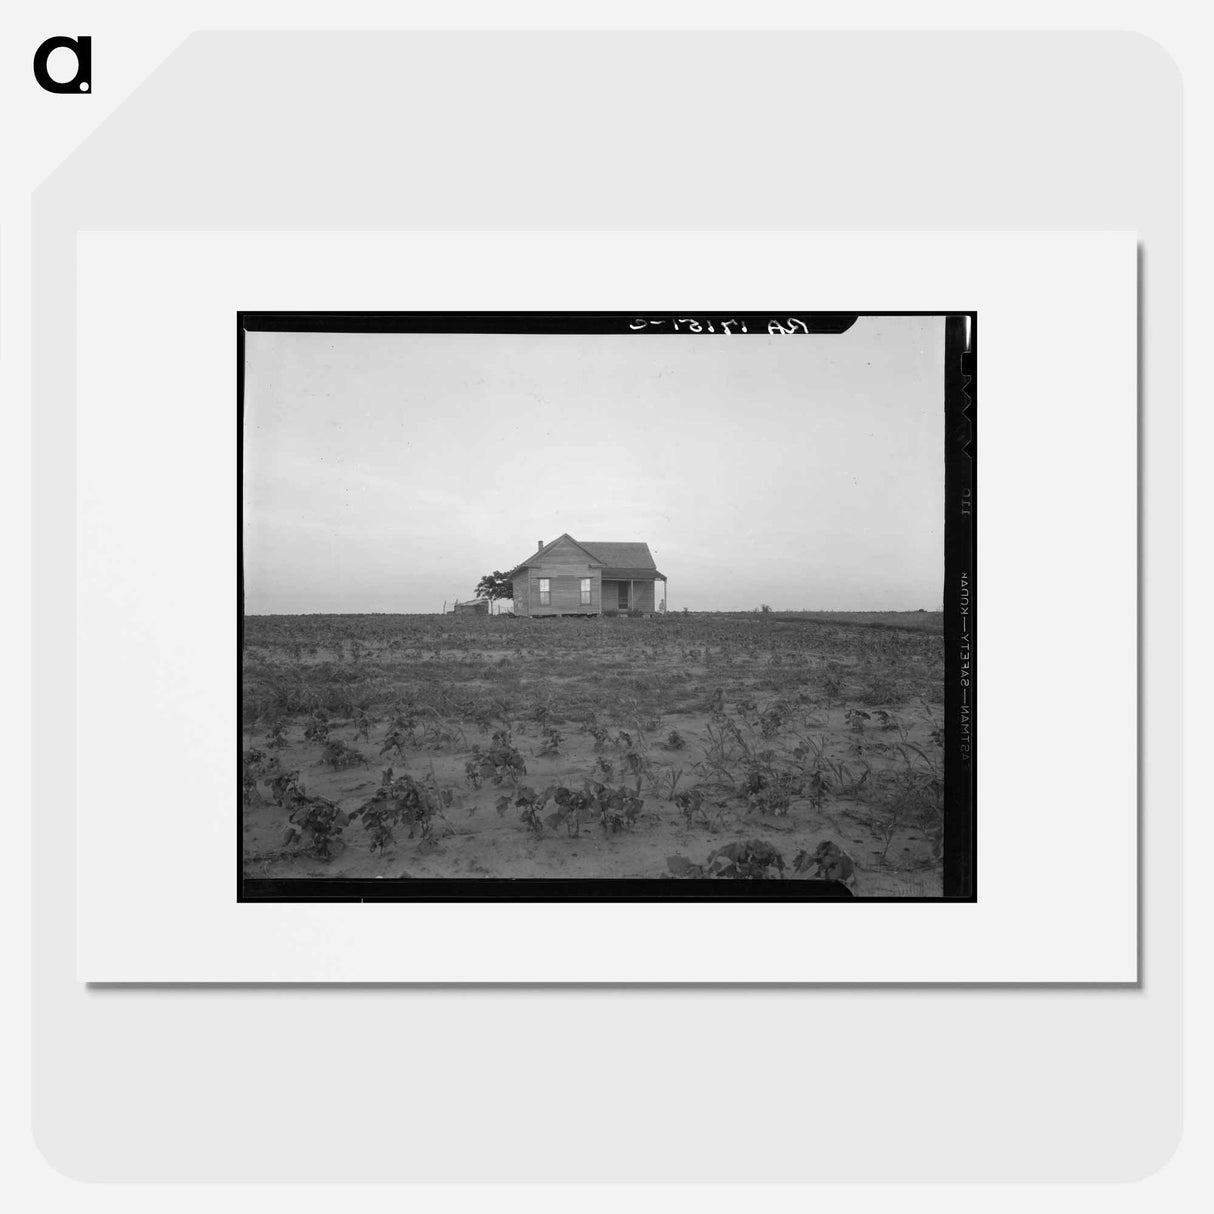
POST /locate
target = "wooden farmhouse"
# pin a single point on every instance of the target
(574, 577)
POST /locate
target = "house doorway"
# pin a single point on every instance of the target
(623, 594)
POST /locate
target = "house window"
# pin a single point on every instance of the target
(545, 592)
(585, 592)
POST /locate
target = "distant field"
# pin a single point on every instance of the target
(424, 746)
(918, 621)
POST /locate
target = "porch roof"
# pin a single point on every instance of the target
(633, 575)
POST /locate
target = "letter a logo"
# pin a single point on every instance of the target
(82, 81)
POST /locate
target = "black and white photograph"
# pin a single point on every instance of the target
(606, 605)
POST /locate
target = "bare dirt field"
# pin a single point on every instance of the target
(706, 746)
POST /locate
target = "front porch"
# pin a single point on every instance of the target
(631, 594)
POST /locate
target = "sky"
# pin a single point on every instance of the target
(389, 472)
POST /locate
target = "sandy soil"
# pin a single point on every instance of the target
(782, 695)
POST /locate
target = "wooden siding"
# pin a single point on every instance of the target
(522, 592)
(564, 565)
(564, 553)
(566, 596)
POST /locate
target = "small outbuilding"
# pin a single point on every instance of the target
(472, 607)
(587, 577)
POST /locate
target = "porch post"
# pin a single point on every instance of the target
(632, 598)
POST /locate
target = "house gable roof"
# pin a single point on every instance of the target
(619, 559)
(538, 557)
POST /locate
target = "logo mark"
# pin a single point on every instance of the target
(82, 81)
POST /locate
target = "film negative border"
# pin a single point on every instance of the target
(959, 595)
